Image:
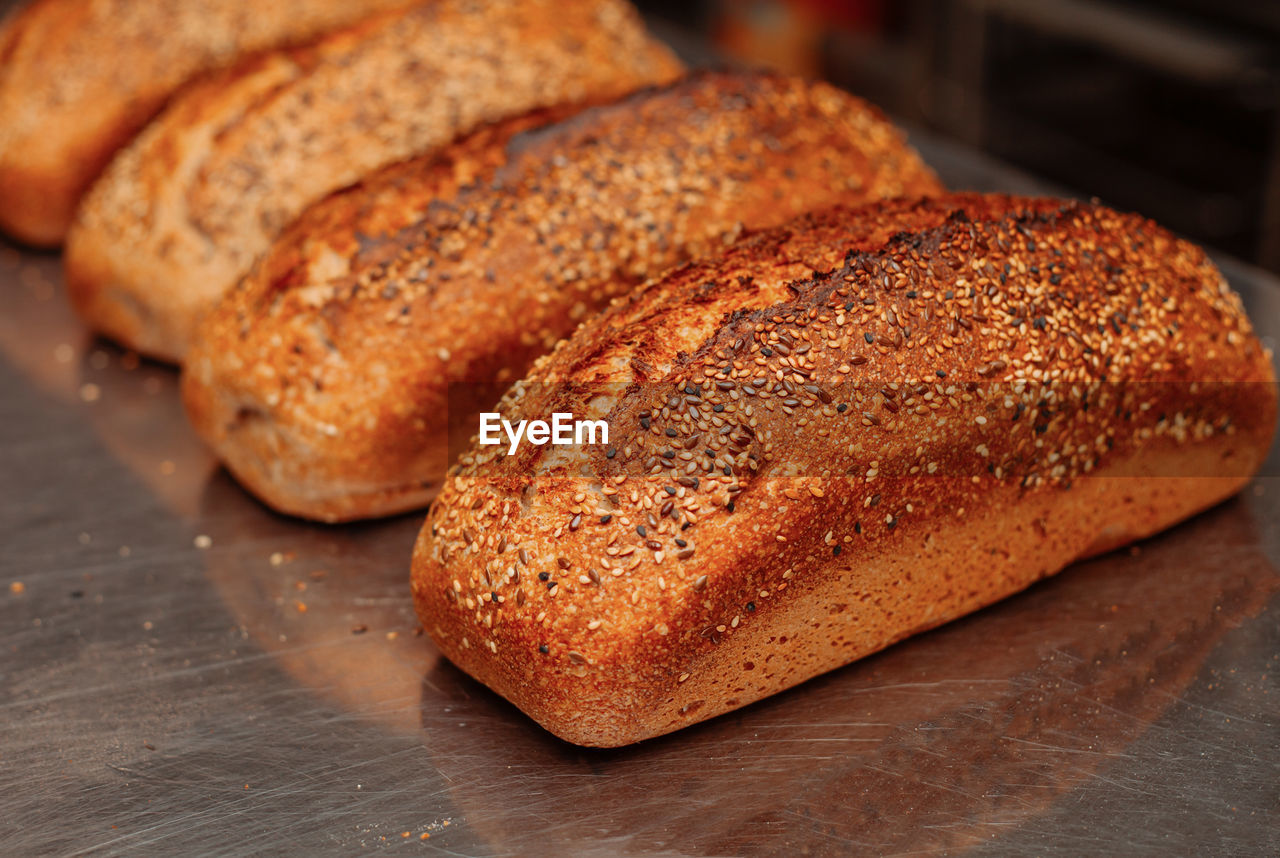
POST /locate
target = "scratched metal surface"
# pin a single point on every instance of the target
(160, 698)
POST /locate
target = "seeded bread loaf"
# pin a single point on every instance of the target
(330, 381)
(805, 468)
(180, 215)
(78, 78)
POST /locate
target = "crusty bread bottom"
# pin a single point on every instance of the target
(838, 609)
(38, 203)
(275, 462)
(266, 461)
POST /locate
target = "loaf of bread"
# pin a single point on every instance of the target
(179, 215)
(329, 382)
(806, 467)
(78, 78)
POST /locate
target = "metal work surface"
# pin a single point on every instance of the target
(185, 672)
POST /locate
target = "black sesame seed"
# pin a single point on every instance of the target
(611, 452)
(869, 337)
(751, 607)
(544, 649)
(640, 530)
(836, 551)
(544, 576)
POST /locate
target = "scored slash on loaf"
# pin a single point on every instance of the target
(180, 215)
(331, 380)
(806, 467)
(78, 78)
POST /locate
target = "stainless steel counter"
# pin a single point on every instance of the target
(185, 672)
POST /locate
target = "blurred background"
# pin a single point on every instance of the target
(1168, 108)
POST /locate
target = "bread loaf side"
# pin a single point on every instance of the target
(331, 380)
(806, 467)
(181, 214)
(78, 78)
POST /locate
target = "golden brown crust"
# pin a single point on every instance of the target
(181, 214)
(325, 381)
(985, 390)
(79, 77)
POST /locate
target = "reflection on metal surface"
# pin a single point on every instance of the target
(328, 604)
(185, 671)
